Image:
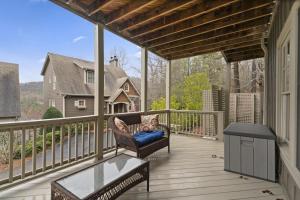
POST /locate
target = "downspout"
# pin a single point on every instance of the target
(64, 106)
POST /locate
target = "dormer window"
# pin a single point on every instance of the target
(90, 79)
(126, 87)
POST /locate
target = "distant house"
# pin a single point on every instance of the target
(69, 86)
(9, 92)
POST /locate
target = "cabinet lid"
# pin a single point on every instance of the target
(250, 130)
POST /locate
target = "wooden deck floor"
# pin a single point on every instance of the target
(193, 171)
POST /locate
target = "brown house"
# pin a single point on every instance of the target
(69, 86)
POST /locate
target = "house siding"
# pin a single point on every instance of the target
(72, 111)
(132, 91)
(281, 16)
(48, 91)
(282, 13)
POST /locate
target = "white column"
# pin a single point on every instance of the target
(99, 88)
(168, 91)
(144, 83)
(227, 85)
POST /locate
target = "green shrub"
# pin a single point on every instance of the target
(52, 113)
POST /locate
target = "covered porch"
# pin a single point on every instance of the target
(171, 30)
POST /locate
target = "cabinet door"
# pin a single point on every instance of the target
(235, 153)
(226, 152)
(261, 158)
(247, 155)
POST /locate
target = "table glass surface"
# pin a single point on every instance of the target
(94, 178)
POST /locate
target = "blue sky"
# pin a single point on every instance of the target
(31, 28)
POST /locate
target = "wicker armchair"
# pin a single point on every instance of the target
(128, 142)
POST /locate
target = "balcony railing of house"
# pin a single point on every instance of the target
(34, 148)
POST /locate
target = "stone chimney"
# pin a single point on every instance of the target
(114, 61)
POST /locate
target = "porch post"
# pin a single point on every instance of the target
(144, 78)
(168, 91)
(99, 88)
(227, 85)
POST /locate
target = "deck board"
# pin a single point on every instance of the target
(192, 171)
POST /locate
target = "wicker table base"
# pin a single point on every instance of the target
(110, 191)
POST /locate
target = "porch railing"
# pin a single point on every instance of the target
(33, 148)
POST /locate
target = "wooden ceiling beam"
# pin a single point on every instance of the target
(154, 14)
(216, 40)
(245, 57)
(229, 52)
(201, 8)
(97, 5)
(126, 10)
(212, 45)
(212, 49)
(250, 51)
(195, 36)
(150, 32)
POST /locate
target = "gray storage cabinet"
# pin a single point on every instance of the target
(250, 150)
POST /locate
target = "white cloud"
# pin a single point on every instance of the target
(77, 39)
(137, 54)
(42, 60)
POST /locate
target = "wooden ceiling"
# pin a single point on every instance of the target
(176, 29)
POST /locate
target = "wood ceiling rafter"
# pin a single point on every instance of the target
(239, 50)
(196, 36)
(127, 10)
(183, 28)
(181, 16)
(212, 45)
(212, 49)
(245, 57)
(152, 33)
(97, 6)
(248, 52)
(223, 23)
(154, 14)
(221, 40)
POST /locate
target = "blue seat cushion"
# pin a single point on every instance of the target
(144, 138)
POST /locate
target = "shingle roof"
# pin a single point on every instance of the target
(70, 76)
(9, 90)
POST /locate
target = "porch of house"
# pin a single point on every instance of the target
(194, 170)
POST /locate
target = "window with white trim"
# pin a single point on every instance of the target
(126, 87)
(285, 94)
(80, 104)
(90, 76)
(54, 82)
(51, 102)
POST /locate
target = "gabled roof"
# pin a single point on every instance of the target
(117, 93)
(69, 73)
(9, 90)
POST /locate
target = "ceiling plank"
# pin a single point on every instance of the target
(154, 14)
(126, 10)
(212, 49)
(97, 6)
(215, 41)
(201, 8)
(182, 25)
(195, 36)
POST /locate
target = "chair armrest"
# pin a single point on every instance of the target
(166, 128)
(124, 139)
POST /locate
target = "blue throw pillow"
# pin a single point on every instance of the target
(144, 138)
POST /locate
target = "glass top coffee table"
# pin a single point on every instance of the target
(107, 179)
